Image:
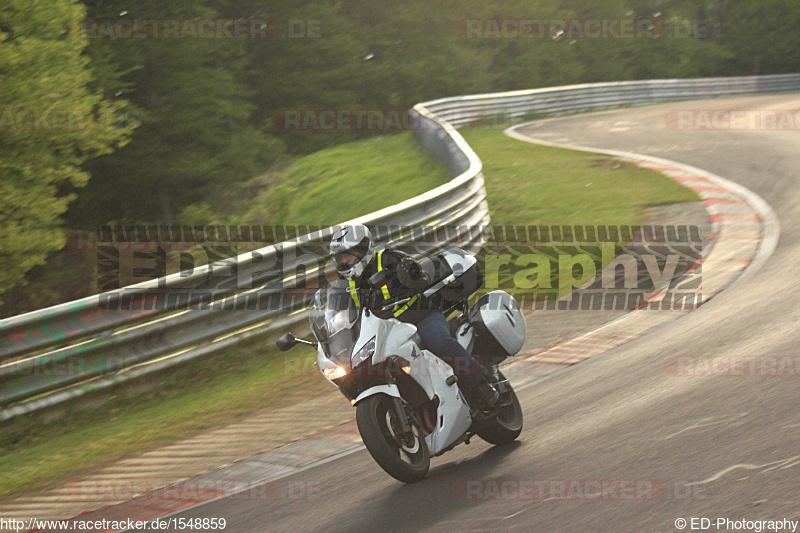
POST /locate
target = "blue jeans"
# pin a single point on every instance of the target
(435, 334)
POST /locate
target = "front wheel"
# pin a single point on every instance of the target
(507, 426)
(405, 457)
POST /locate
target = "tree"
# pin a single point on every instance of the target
(195, 137)
(51, 122)
(761, 37)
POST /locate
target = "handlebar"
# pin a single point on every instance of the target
(430, 291)
(440, 285)
(392, 303)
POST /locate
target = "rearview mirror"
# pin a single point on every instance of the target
(286, 342)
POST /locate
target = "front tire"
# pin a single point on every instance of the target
(405, 458)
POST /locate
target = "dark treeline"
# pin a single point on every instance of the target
(171, 121)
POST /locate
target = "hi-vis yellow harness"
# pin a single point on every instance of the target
(385, 291)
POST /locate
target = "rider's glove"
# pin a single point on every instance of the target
(411, 275)
(376, 300)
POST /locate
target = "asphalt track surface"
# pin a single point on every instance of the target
(692, 446)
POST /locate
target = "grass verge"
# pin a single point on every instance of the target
(532, 184)
(347, 181)
(526, 184)
(203, 393)
(317, 189)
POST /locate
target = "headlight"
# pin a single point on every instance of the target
(364, 353)
(334, 373)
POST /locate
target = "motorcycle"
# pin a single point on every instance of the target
(409, 406)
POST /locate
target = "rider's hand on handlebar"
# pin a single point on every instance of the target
(411, 275)
(376, 300)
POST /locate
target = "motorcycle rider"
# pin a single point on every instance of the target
(356, 260)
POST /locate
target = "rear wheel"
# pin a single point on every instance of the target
(507, 426)
(404, 456)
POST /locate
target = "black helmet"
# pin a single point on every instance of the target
(352, 250)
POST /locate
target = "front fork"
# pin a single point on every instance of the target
(494, 372)
(399, 410)
(498, 380)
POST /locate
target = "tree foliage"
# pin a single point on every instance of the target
(194, 111)
(51, 122)
(206, 108)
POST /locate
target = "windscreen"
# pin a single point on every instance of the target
(335, 320)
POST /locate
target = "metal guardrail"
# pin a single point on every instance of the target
(553, 101)
(94, 346)
(103, 340)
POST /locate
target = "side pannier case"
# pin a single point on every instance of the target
(499, 327)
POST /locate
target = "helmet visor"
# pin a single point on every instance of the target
(347, 259)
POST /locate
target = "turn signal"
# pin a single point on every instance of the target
(334, 373)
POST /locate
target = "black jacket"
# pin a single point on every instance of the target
(398, 265)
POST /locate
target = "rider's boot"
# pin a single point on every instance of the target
(484, 394)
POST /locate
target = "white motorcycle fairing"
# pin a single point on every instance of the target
(389, 390)
(395, 338)
(408, 403)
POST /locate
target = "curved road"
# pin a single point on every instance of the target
(621, 442)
